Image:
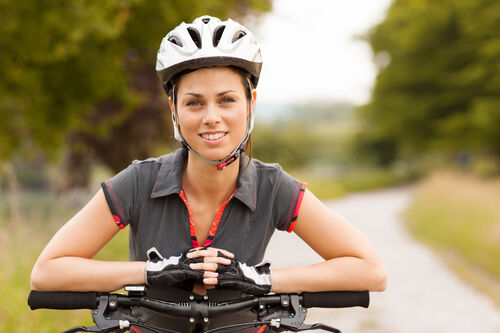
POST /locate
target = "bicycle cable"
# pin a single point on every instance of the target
(153, 328)
(235, 327)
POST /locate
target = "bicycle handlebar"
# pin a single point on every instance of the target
(336, 299)
(90, 300)
(62, 300)
(280, 311)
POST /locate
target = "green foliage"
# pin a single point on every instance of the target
(81, 73)
(313, 142)
(289, 144)
(438, 82)
(306, 134)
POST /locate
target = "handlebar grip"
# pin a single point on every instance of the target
(62, 300)
(336, 299)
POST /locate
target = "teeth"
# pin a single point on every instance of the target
(213, 136)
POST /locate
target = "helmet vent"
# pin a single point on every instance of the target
(175, 40)
(206, 20)
(238, 35)
(218, 34)
(195, 36)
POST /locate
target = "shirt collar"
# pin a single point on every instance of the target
(169, 179)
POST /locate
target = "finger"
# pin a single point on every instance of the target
(208, 252)
(204, 266)
(200, 252)
(224, 252)
(210, 282)
(209, 274)
(217, 260)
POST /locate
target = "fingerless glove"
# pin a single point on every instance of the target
(254, 280)
(173, 271)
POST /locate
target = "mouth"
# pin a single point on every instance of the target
(213, 137)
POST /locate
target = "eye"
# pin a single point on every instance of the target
(193, 102)
(226, 100)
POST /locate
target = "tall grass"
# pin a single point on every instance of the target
(25, 228)
(459, 216)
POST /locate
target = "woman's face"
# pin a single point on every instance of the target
(212, 110)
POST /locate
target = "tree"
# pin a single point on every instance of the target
(438, 81)
(80, 75)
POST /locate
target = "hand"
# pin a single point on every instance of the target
(255, 280)
(173, 271)
(209, 259)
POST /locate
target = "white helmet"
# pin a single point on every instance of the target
(206, 42)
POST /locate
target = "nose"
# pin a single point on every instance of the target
(212, 115)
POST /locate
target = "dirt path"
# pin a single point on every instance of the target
(423, 295)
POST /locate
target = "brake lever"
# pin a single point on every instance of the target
(295, 323)
(101, 323)
(318, 326)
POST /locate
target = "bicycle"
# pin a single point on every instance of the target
(111, 312)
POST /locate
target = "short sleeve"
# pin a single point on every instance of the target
(120, 192)
(287, 201)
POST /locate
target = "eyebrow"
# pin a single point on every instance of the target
(200, 96)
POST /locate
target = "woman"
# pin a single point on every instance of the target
(207, 208)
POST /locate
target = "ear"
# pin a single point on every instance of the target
(171, 104)
(254, 98)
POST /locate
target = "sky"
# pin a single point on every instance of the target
(310, 50)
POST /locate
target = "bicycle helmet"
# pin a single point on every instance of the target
(208, 42)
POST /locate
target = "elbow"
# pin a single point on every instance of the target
(38, 279)
(379, 281)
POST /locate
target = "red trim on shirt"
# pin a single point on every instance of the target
(297, 207)
(118, 221)
(215, 223)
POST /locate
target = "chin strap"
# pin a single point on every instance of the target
(224, 162)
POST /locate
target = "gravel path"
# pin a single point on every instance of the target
(423, 295)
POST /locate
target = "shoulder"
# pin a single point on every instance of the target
(144, 174)
(267, 169)
(272, 176)
(152, 165)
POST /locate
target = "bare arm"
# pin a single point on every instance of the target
(351, 262)
(66, 265)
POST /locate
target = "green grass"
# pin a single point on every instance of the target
(459, 216)
(24, 232)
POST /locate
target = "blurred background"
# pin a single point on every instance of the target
(353, 96)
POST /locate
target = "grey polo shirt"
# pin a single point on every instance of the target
(146, 196)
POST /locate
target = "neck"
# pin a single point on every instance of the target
(204, 181)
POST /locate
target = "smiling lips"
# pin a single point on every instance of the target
(213, 137)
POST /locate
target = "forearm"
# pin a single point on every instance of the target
(343, 273)
(81, 274)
